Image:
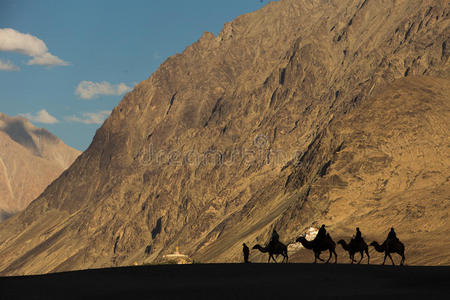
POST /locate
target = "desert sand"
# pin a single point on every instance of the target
(235, 281)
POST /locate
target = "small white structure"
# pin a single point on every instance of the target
(177, 257)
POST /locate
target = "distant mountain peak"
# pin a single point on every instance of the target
(31, 158)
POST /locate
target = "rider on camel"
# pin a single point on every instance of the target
(322, 232)
(392, 235)
(358, 236)
(275, 237)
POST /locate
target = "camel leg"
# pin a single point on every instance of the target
(274, 259)
(391, 259)
(362, 256)
(335, 257)
(318, 256)
(368, 257)
(385, 256)
(329, 257)
(285, 257)
(403, 259)
(351, 258)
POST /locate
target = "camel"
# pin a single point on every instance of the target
(390, 246)
(354, 247)
(319, 245)
(276, 248)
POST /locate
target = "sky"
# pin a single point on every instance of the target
(66, 64)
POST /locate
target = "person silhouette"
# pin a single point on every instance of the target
(358, 236)
(392, 235)
(275, 236)
(246, 252)
(322, 232)
(273, 239)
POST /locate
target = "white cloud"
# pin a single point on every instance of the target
(8, 66)
(47, 60)
(24, 43)
(89, 89)
(41, 116)
(89, 117)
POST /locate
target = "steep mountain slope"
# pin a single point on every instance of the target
(384, 164)
(30, 158)
(242, 132)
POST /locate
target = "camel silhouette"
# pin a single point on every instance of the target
(274, 248)
(319, 245)
(390, 246)
(353, 247)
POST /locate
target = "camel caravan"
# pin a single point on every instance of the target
(323, 242)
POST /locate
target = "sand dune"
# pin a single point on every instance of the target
(235, 281)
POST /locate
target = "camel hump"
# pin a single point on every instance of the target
(391, 241)
(394, 243)
(358, 242)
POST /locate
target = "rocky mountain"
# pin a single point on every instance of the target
(30, 159)
(301, 113)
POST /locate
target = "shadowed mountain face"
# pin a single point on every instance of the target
(295, 114)
(30, 159)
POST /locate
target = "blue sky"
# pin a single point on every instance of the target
(65, 64)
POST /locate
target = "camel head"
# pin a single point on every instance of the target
(257, 246)
(300, 239)
(344, 245)
(378, 247)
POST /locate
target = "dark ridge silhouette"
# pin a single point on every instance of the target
(235, 281)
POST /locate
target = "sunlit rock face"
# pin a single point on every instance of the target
(309, 234)
(30, 159)
(302, 113)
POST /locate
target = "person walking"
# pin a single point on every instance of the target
(246, 252)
